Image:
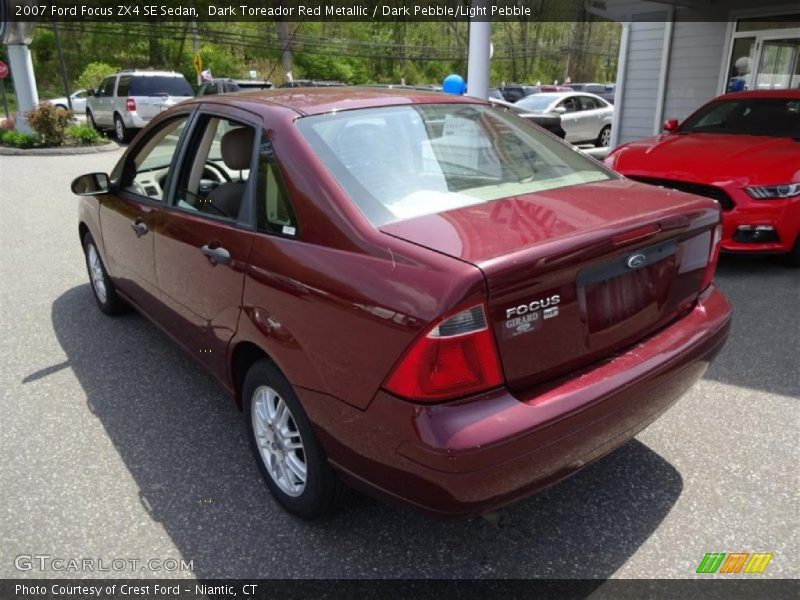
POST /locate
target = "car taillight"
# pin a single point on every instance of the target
(456, 357)
(713, 257)
(130, 105)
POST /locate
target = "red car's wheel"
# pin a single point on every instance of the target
(794, 255)
(292, 462)
(104, 293)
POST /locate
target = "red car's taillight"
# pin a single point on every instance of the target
(713, 257)
(130, 105)
(456, 357)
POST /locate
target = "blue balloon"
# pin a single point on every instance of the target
(454, 84)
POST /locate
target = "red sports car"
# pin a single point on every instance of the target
(418, 294)
(743, 150)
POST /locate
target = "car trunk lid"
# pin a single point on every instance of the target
(576, 273)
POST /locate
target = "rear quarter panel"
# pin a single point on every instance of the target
(336, 308)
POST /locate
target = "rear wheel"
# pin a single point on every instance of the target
(104, 293)
(120, 130)
(604, 139)
(292, 463)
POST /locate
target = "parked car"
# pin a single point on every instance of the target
(297, 83)
(422, 295)
(551, 123)
(741, 149)
(78, 102)
(515, 91)
(604, 90)
(228, 86)
(585, 117)
(128, 100)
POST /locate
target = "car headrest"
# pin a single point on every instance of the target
(237, 148)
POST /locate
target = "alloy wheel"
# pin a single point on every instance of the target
(605, 137)
(279, 442)
(96, 273)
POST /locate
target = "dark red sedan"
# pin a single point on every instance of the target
(741, 149)
(421, 295)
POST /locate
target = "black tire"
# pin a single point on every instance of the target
(90, 121)
(120, 131)
(793, 257)
(108, 301)
(604, 138)
(323, 492)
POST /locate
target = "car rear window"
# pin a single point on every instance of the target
(401, 162)
(157, 86)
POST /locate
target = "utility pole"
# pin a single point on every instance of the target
(62, 65)
(196, 45)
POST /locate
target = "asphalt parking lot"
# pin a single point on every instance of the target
(114, 445)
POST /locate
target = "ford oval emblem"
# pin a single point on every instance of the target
(636, 260)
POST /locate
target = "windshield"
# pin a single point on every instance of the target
(156, 86)
(777, 117)
(401, 162)
(536, 102)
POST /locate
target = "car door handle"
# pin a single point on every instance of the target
(139, 228)
(217, 255)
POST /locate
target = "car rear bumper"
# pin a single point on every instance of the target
(475, 455)
(135, 121)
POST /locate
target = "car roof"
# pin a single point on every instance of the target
(151, 73)
(314, 101)
(560, 95)
(763, 94)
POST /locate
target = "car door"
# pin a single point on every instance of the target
(105, 98)
(130, 216)
(570, 118)
(203, 242)
(588, 118)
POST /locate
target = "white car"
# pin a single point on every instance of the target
(585, 118)
(78, 102)
(130, 99)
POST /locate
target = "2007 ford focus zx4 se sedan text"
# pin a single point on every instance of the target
(413, 294)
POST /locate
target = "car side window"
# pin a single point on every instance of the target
(124, 87)
(588, 103)
(274, 212)
(107, 87)
(147, 172)
(214, 180)
(570, 104)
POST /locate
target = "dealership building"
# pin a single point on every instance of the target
(676, 55)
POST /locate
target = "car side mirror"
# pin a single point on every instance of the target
(91, 93)
(671, 125)
(91, 184)
(560, 110)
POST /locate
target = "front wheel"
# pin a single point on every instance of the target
(104, 293)
(604, 139)
(291, 461)
(794, 256)
(90, 120)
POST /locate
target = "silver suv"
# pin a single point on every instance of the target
(128, 100)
